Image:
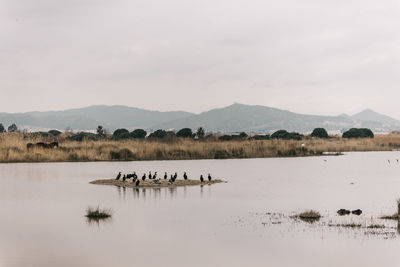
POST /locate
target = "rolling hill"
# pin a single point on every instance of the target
(233, 118)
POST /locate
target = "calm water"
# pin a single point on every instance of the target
(43, 205)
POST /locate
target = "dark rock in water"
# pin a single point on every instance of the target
(342, 212)
(356, 212)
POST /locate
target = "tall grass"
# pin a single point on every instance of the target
(13, 148)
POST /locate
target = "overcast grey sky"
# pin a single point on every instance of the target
(308, 56)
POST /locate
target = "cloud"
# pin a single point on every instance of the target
(309, 56)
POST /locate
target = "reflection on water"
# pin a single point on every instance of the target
(98, 221)
(162, 192)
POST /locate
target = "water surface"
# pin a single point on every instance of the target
(43, 205)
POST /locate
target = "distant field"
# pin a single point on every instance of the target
(13, 148)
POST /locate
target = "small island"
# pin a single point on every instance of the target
(152, 184)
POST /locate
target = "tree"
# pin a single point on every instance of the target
(159, 134)
(320, 133)
(200, 133)
(138, 134)
(121, 134)
(358, 133)
(185, 132)
(54, 132)
(100, 131)
(12, 128)
(2, 129)
(285, 135)
(243, 135)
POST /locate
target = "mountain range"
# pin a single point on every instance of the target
(233, 118)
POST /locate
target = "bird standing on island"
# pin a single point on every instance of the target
(175, 176)
(165, 176)
(144, 177)
(201, 178)
(138, 182)
(155, 175)
(118, 176)
(185, 176)
(150, 175)
(209, 177)
(124, 178)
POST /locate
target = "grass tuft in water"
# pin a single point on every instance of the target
(376, 226)
(98, 213)
(309, 216)
(390, 217)
(346, 225)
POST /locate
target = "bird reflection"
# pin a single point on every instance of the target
(164, 192)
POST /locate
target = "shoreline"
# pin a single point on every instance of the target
(150, 183)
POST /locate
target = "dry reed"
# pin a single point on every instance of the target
(13, 148)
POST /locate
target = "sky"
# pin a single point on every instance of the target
(308, 56)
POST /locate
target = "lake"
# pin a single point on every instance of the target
(245, 222)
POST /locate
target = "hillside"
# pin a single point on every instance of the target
(233, 118)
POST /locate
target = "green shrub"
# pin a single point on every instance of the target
(243, 135)
(260, 137)
(138, 134)
(285, 135)
(358, 133)
(54, 132)
(185, 132)
(121, 134)
(159, 134)
(79, 137)
(225, 137)
(12, 128)
(320, 133)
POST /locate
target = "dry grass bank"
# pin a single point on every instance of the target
(13, 148)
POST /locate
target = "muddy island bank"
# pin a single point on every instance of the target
(152, 184)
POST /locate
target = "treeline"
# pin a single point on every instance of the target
(140, 134)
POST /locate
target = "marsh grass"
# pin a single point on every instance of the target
(13, 148)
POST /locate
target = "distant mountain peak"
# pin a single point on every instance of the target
(371, 115)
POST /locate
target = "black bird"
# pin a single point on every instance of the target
(201, 178)
(155, 175)
(185, 176)
(165, 176)
(150, 175)
(209, 177)
(134, 175)
(138, 182)
(118, 176)
(144, 177)
(124, 178)
(134, 179)
(175, 176)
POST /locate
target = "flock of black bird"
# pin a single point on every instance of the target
(153, 177)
